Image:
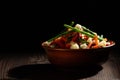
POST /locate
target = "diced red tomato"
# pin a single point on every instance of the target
(68, 45)
(75, 38)
(80, 35)
(86, 37)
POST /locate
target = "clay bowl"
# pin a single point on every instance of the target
(77, 57)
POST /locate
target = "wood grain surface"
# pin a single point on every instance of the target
(35, 66)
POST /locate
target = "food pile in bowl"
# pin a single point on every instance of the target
(77, 45)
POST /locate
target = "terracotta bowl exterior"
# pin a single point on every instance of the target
(77, 57)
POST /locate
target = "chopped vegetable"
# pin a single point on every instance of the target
(77, 37)
(83, 32)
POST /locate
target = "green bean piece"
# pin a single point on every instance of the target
(83, 32)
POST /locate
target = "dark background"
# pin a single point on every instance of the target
(25, 25)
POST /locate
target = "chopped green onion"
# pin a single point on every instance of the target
(83, 32)
(63, 33)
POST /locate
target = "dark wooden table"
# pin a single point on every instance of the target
(35, 66)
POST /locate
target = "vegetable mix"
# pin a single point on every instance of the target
(77, 36)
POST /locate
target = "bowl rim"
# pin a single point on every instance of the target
(62, 49)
